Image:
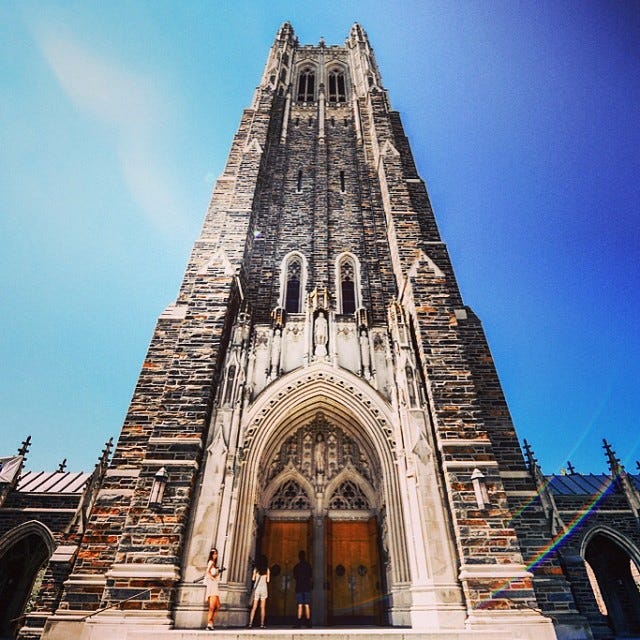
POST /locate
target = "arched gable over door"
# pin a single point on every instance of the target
(352, 407)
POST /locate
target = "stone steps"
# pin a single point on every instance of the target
(282, 633)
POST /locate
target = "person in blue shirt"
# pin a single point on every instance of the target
(302, 574)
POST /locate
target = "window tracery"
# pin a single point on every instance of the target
(306, 85)
(348, 285)
(290, 497)
(337, 90)
(348, 496)
(293, 282)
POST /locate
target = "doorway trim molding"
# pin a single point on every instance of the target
(350, 403)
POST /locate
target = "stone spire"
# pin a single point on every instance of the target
(366, 75)
(285, 33)
(546, 496)
(624, 482)
(277, 71)
(91, 490)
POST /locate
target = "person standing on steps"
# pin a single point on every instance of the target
(211, 579)
(260, 579)
(302, 576)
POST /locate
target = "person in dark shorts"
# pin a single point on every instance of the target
(302, 576)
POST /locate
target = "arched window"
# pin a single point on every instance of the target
(306, 85)
(337, 91)
(293, 286)
(347, 282)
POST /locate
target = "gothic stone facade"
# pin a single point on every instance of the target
(42, 519)
(319, 384)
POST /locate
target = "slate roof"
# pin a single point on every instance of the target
(581, 484)
(576, 484)
(52, 482)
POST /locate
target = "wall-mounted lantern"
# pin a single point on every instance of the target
(480, 487)
(158, 487)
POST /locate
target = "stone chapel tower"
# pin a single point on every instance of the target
(318, 385)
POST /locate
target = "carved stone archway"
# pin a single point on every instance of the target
(317, 477)
(333, 432)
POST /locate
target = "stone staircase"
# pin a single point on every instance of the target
(322, 633)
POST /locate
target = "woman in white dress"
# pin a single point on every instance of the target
(211, 578)
(260, 579)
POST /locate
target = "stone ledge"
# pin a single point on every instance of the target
(515, 474)
(86, 579)
(167, 463)
(116, 492)
(452, 464)
(161, 571)
(464, 442)
(515, 493)
(174, 312)
(494, 571)
(175, 440)
(122, 473)
(64, 553)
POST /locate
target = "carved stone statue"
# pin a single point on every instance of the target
(276, 345)
(365, 354)
(319, 453)
(320, 334)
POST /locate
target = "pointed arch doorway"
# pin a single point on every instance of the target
(24, 551)
(320, 496)
(614, 568)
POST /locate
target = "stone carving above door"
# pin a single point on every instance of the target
(319, 451)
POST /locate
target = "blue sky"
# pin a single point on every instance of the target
(117, 117)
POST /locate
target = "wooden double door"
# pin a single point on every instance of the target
(347, 577)
(281, 542)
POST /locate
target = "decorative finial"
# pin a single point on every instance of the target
(570, 468)
(106, 452)
(614, 463)
(62, 466)
(285, 31)
(24, 449)
(532, 462)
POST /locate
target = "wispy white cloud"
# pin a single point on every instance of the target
(130, 105)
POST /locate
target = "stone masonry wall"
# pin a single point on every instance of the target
(483, 536)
